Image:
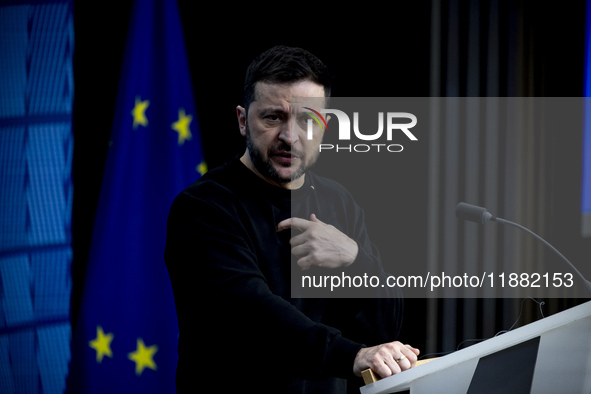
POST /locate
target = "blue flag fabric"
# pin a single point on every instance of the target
(126, 336)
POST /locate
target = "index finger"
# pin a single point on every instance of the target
(299, 223)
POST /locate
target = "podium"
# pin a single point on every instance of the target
(551, 355)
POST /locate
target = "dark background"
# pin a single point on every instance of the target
(372, 50)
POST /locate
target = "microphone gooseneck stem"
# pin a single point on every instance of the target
(586, 283)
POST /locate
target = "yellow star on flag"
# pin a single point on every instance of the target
(202, 168)
(139, 112)
(181, 126)
(102, 344)
(143, 357)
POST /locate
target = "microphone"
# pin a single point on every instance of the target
(473, 213)
(480, 215)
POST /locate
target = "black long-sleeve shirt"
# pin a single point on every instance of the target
(231, 273)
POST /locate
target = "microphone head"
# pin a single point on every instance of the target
(472, 213)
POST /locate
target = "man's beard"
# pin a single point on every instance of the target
(265, 166)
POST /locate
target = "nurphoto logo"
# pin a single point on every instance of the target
(395, 122)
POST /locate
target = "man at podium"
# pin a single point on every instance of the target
(238, 236)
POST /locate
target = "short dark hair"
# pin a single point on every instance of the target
(283, 64)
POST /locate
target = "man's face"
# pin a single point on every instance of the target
(276, 133)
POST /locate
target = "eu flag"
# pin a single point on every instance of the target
(126, 335)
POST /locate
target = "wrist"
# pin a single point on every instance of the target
(352, 252)
(358, 360)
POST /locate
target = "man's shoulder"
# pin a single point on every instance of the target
(217, 185)
(222, 178)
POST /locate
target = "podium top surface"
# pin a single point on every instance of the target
(463, 362)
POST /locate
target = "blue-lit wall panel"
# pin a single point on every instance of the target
(14, 40)
(36, 146)
(13, 215)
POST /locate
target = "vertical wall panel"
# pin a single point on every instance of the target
(13, 173)
(17, 304)
(6, 378)
(489, 153)
(13, 63)
(48, 174)
(53, 349)
(36, 90)
(50, 272)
